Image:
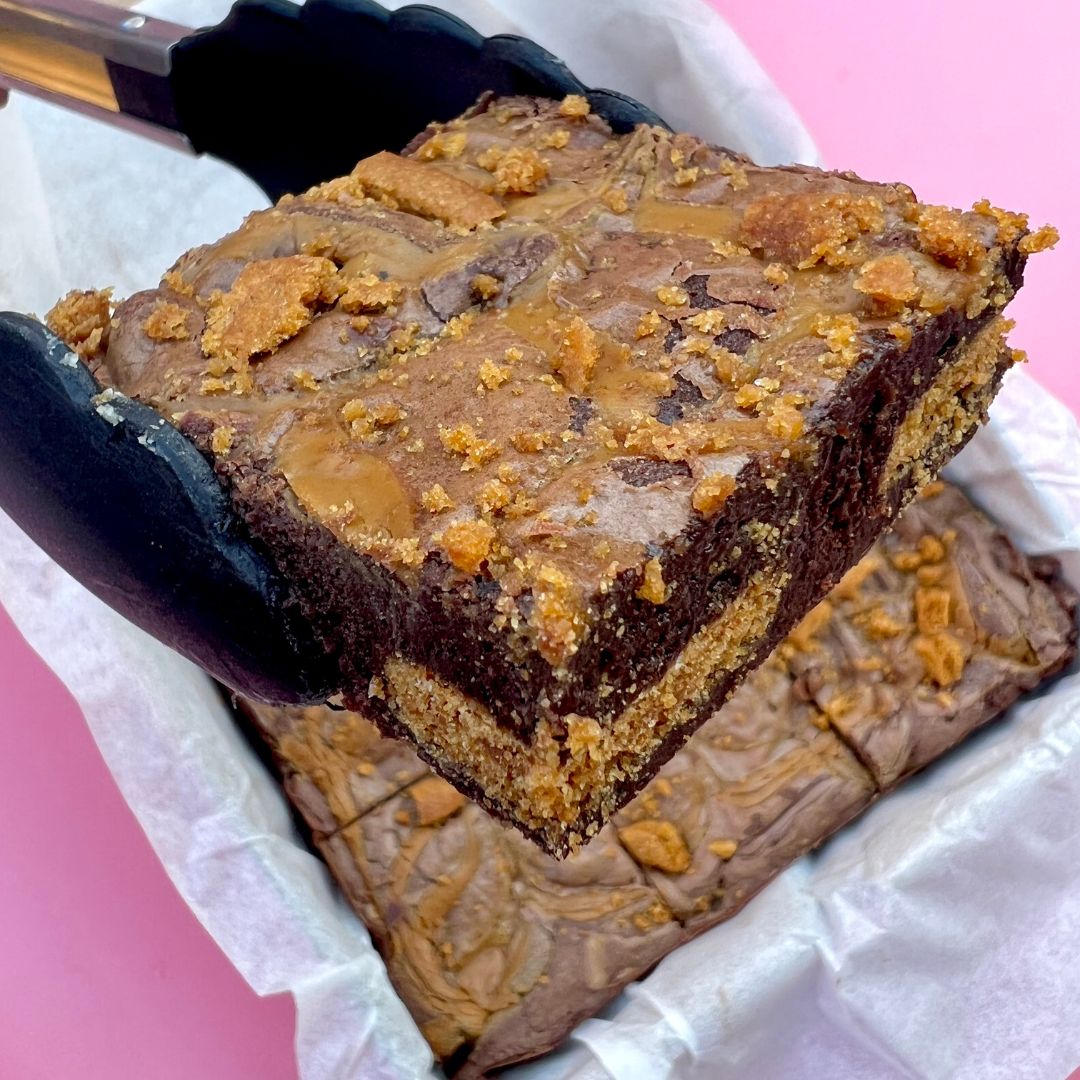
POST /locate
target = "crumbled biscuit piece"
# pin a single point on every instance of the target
(576, 357)
(167, 322)
(270, 301)
(750, 396)
(775, 274)
(657, 844)
(369, 293)
(493, 497)
(735, 173)
(841, 336)
(427, 191)
(485, 286)
(443, 144)
(809, 228)
(672, 295)
(465, 440)
(932, 609)
(435, 800)
(555, 615)
(711, 493)
(517, 171)
(1009, 225)
(723, 849)
(677, 442)
(944, 234)
(81, 321)
(783, 419)
(302, 379)
(901, 332)
(531, 442)
(615, 199)
(574, 106)
(435, 500)
(889, 281)
(493, 375)
(1040, 240)
(943, 657)
(648, 324)
(711, 321)
(467, 543)
(364, 422)
(222, 439)
(686, 176)
(554, 140)
(652, 587)
(930, 548)
(879, 624)
(175, 281)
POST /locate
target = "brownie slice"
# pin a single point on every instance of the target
(499, 951)
(556, 433)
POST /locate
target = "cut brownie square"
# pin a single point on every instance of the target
(556, 433)
(499, 950)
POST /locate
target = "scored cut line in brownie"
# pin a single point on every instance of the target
(559, 432)
(499, 951)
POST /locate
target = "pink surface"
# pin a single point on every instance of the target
(105, 973)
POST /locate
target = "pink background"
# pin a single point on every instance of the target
(105, 973)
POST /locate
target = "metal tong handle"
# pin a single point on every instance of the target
(76, 53)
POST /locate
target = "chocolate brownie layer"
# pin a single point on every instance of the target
(499, 950)
(568, 429)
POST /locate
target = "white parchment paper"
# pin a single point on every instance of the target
(938, 937)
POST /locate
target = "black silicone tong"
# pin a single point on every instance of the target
(291, 96)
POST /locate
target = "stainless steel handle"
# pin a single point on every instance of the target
(61, 50)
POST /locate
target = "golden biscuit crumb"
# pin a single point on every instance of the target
(493, 375)
(652, 587)
(574, 106)
(656, 844)
(943, 657)
(687, 176)
(711, 321)
(517, 171)
(435, 500)
(775, 274)
(485, 286)
(443, 144)
(723, 849)
(302, 379)
(435, 800)
(167, 322)
(554, 140)
(81, 320)
(465, 440)
(648, 324)
(369, 293)
(222, 439)
(889, 281)
(944, 234)
(672, 295)
(615, 199)
(468, 544)
(1040, 240)
(493, 497)
(932, 609)
(577, 355)
(270, 301)
(711, 493)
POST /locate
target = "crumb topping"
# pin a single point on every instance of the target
(467, 544)
(652, 587)
(167, 322)
(656, 844)
(81, 321)
(574, 107)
